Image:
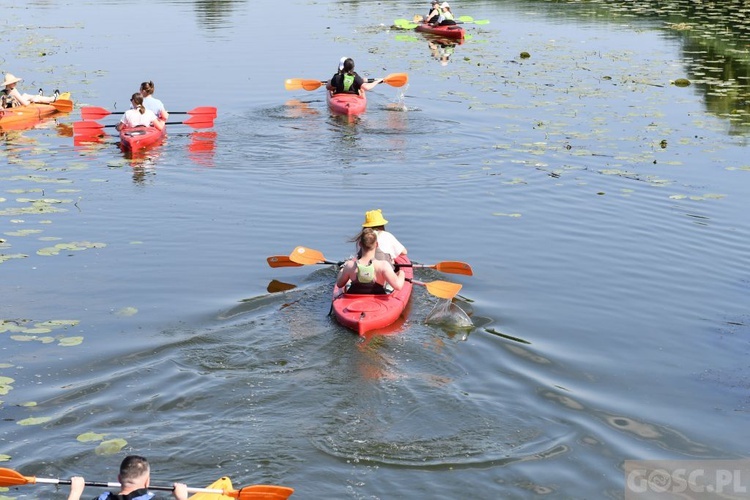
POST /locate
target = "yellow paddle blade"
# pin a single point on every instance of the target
(306, 256)
(441, 289)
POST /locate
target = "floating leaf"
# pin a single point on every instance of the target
(34, 331)
(70, 341)
(34, 421)
(111, 447)
(23, 338)
(28, 404)
(4, 458)
(90, 436)
(57, 323)
(127, 311)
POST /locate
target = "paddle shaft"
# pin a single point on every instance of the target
(118, 485)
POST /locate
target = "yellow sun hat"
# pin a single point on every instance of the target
(374, 218)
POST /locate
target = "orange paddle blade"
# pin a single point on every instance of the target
(281, 261)
(63, 105)
(306, 256)
(300, 83)
(454, 267)
(262, 492)
(396, 79)
(9, 477)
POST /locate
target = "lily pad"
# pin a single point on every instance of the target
(34, 421)
(70, 341)
(90, 436)
(111, 447)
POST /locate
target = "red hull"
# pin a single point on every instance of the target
(452, 31)
(346, 104)
(364, 313)
(135, 138)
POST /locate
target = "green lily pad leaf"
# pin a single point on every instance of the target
(70, 341)
(6, 365)
(23, 232)
(110, 447)
(28, 404)
(34, 331)
(4, 257)
(500, 214)
(127, 311)
(90, 436)
(23, 338)
(4, 458)
(34, 421)
(46, 340)
(57, 323)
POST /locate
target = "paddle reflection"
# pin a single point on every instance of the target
(201, 148)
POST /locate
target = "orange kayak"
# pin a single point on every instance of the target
(25, 116)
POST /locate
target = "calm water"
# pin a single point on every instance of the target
(604, 212)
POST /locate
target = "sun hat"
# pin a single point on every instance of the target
(374, 218)
(341, 63)
(9, 78)
(444, 5)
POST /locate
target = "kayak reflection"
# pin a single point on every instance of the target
(442, 49)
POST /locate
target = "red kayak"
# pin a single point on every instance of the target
(452, 31)
(364, 313)
(135, 138)
(346, 104)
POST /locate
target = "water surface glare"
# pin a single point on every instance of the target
(599, 204)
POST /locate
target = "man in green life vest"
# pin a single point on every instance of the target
(346, 80)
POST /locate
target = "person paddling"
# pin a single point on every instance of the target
(389, 247)
(346, 80)
(139, 116)
(367, 274)
(11, 97)
(134, 478)
(151, 102)
(446, 15)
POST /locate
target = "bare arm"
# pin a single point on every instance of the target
(371, 85)
(396, 280)
(346, 273)
(77, 484)
(180, 491)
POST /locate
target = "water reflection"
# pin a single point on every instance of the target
(442, 49)
(714, 38)
(215, 14)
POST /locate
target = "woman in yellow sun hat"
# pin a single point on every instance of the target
(388, 245)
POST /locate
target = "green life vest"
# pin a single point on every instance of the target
(348, 82)
(365, 272)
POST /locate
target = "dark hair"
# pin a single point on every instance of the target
(147, 87)
(137, 100)
(132, 468)
(348, 65)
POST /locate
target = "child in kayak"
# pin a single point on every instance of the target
(367, 274)
(446, 15)
(434, 14)
(346, 80)
(139, 116)
(151, 102)
(11, 97)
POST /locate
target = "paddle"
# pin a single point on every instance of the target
(404, 24)
(394, 80)
(448, 266)
(276, 286)
(443, 289)
(471, 20)
(93, 128)
(62, 105)
(9, 477)
(97, 113)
